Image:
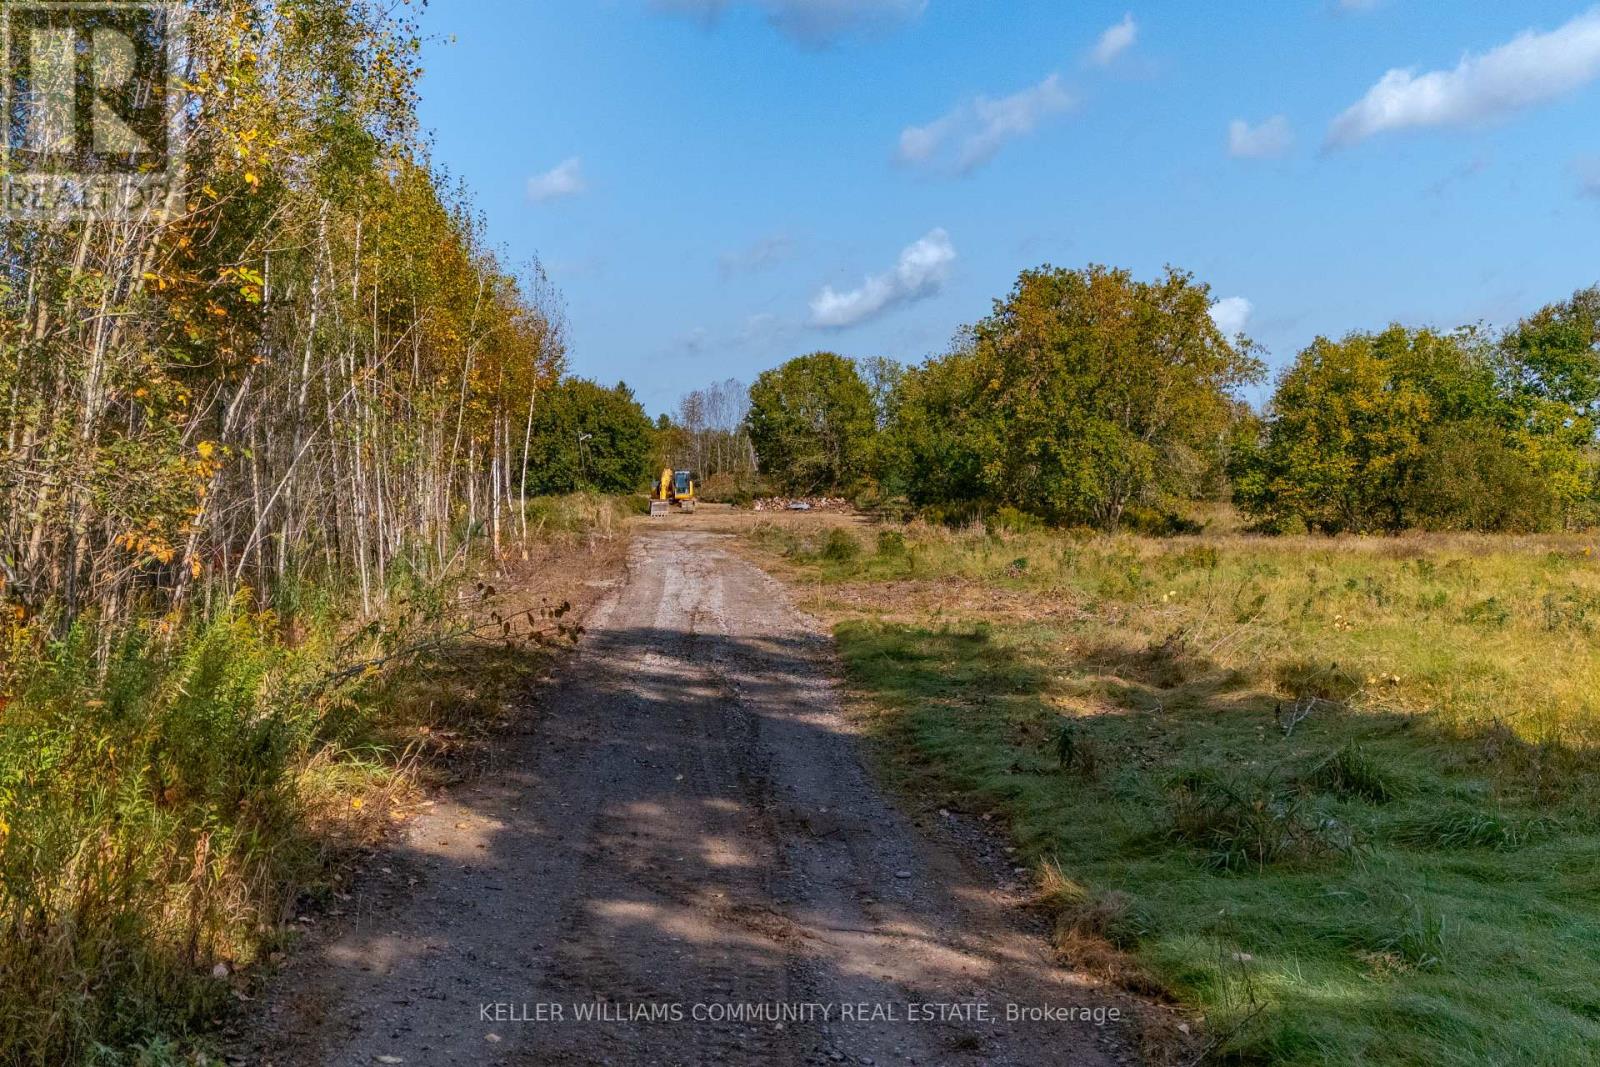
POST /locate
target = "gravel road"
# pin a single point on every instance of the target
(683, 832)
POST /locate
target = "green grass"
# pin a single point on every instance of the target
(1311, 788)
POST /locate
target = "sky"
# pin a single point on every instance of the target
(716, 186)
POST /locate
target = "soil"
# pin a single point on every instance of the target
(682, 828)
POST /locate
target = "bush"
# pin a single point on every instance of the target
(581, 514)
(739, 490)
(151, 813)
(891, 543)
(840, 546)
(167, 789)
(951, 515)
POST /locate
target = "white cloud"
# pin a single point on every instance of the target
(1271, 138)
(1527, 70)
(969, 135)
(1115, 41)
(566, 179)
(813, 23)
(1231, 313)
(921, 272)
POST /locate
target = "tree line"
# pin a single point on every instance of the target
(1089, 397)
(317, 365)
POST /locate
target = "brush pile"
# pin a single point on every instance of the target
(801, 503)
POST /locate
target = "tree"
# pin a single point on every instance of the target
(881, 374)
(1083, 393)
(1550, 366)
(1553, 355)
(709, 435)
(314, 365)
(811, 422)
(1387, 431)
(585, 436)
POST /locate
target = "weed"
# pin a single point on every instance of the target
(1419, 936)
(169, 789)
(1010, 520)
(1351, 773)
(1305, 679)
(891, 544)
(1241, 823)
(1490, 611)
(1462, 826)
(1077, 752)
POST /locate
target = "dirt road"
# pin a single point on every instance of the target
(683, 831)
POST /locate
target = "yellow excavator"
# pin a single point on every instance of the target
(676, 488)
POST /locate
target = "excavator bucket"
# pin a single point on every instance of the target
(659, 507)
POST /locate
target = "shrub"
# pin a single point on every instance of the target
(840, 546)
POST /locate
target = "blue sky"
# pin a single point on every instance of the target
(718, 185)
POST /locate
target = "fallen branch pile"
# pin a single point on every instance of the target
(801, 503)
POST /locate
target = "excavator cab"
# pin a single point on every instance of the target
(674, 488)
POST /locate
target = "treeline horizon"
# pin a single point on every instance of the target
(1090, 398)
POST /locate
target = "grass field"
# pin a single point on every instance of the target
(1338, 797)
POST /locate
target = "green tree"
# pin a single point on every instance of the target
(1382, 432)
(585, 436)
(1554, 354)
(1085, 393)
(811, 423)
(929, 450)
(1550, 365)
